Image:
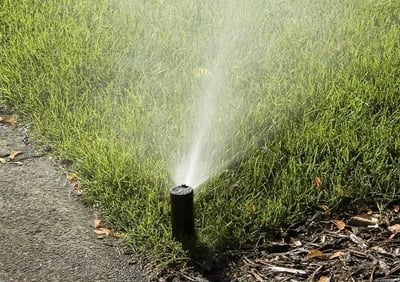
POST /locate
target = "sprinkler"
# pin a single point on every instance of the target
(182, 213)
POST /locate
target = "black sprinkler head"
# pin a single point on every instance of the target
(182, 213)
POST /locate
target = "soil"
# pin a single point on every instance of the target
(46, 235)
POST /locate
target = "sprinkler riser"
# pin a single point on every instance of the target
(182, 213)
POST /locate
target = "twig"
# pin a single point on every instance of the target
(249, 262)
(311, 278)
(188, 277)
(287, 270)
(358, 241)
(394, 270)
(371, 277)
(258, 276)
(16, 163)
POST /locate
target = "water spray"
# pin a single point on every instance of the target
(182, 213)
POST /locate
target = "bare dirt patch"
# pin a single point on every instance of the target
(45, 235)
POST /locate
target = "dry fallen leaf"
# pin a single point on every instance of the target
(318, 183)
(9, 121)
(395, 229)
(13, 154)
(75, 185)
(337, 254)
(339, 224)
(96, 223)
(316, 254)
(2, 161)
(72, 177)
(102, 231)
(324, 278)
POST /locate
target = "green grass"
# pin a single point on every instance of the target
(106, 84)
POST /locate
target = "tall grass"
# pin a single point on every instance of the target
(110, 85)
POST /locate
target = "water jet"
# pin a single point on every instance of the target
(182, 213)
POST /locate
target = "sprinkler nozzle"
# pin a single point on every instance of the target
(182, 212)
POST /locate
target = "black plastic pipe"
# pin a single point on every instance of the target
(182, 213)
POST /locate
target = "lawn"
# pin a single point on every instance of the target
(295, 105)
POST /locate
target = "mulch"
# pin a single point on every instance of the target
(361, 248)
(365, 247)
